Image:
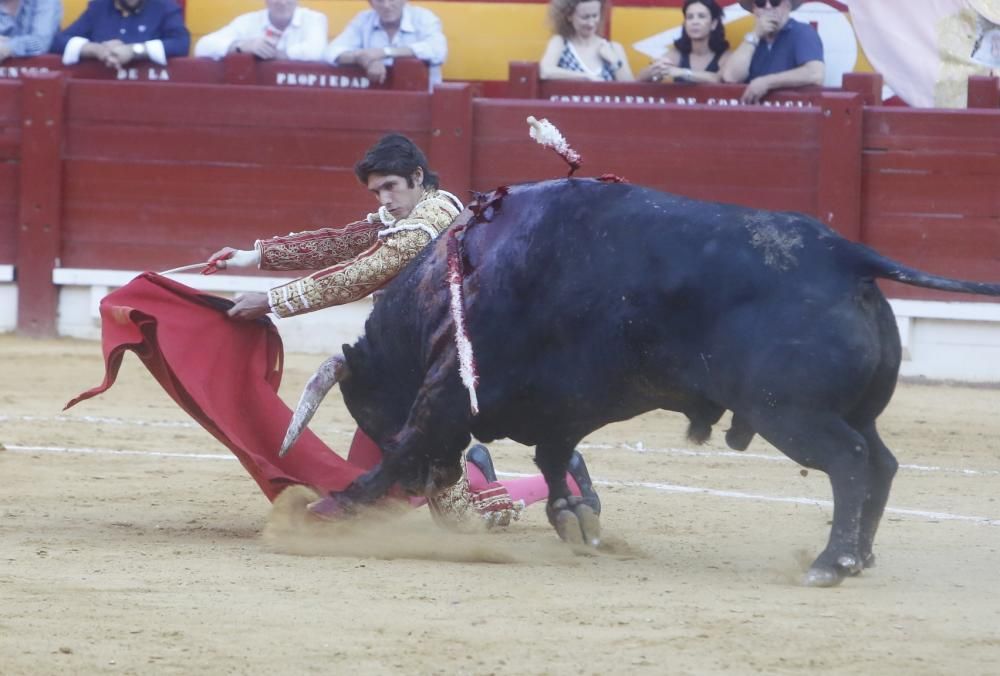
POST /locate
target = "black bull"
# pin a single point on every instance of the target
(589, 302)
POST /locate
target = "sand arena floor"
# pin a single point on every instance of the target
(131, 543)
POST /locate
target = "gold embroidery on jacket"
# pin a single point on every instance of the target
(315, 249)
(353, 279)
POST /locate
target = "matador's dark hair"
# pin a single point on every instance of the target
(398, 155)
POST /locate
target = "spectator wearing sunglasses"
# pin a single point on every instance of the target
(778, 53)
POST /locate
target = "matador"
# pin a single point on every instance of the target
(350, 263)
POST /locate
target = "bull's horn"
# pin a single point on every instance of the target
(327, 375)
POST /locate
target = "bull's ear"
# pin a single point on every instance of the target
(348, 351)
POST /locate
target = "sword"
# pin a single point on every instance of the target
(185, 268)
(209, 268)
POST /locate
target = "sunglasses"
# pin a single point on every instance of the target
(763, 3)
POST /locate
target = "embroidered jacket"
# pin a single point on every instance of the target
(356, 259)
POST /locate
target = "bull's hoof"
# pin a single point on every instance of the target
(330, 508)
(823, 576)
(575, 521)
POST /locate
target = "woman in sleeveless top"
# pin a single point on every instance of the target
(698, 54)
(577, 51)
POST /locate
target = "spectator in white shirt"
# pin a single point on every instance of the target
(282, 31)
(391, 28)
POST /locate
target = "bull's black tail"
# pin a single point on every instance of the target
(879, 266)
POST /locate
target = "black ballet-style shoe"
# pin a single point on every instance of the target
(479, 456)
(578, 470)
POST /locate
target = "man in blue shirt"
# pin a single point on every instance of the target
(117, 32)
(391, 28)
(28, 26)
(778, 53)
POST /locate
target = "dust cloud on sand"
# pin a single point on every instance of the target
(396, 531)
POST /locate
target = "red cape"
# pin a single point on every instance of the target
(223, 372)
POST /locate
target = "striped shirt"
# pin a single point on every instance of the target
(30, 30)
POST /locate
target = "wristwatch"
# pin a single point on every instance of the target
(139, 49)
(388, 52)
(751, 38)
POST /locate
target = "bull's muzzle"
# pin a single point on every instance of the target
(329, 373)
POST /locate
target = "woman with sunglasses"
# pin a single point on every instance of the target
(698, 54)
(778, 53)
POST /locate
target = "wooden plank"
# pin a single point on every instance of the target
(524, 81)
(913, 192)
(869, 85)
(183, 105)
(9, 187)
(706, 153)
(838, 199)
(39, 203)
(162, 213)
(715, 127)
(964, 248)
(219, 145)
(10, 103)
(406, 74)
(984, 92)
(450, 149)
(10, 153)
(179, 69)
(948, 246)
(974, 131)
(942, 162)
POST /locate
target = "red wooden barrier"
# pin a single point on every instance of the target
(984, 92)
(405, 74)
(524, 83)
(764, 157)
(150, 175)
(930, 183)
(868, 85)
(39, 210)
(10, 157)
(450, 148)
(214, 165)
(838, 186)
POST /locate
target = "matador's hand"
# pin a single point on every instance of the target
(249, 306)
(228, 257)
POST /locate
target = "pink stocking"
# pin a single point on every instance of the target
(530, 489)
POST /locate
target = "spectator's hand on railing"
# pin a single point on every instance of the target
(365, 57)
(259, 46)
(97, 50)
(118, 55)
(756, 90)
(376, 71)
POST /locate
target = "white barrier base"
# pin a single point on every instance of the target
(941, 341)
(322, 332)
(8, 299)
